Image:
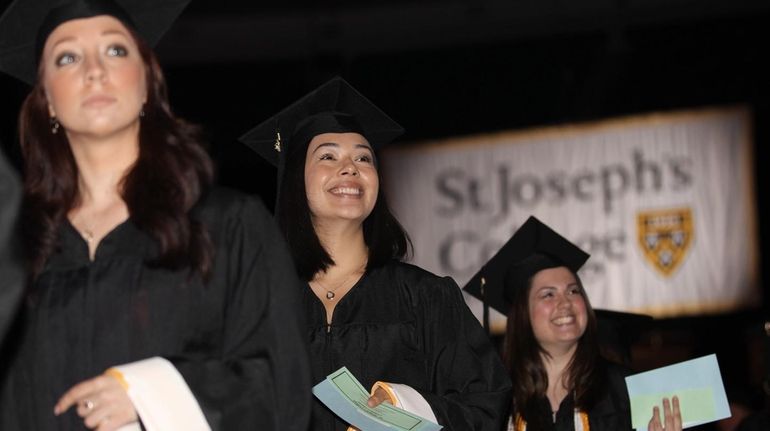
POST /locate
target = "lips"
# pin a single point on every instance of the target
(98, 100)
(346, 191)
(564, 320)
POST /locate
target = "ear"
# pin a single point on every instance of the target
(51, 111)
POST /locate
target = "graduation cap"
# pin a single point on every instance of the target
(334, 107)
(532, 248)
(26, 24)
(617, 331)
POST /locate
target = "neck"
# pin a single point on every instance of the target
(102, 164)
(556, 363)
(345, 244)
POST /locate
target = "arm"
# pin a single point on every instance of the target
(470, 389)
(253, 372)
(262, 377)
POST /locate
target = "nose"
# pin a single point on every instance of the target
(94, 69)
(564, 302)
(349, 168)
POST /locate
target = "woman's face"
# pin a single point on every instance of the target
(94, 77)
(557, 308)
(340, 177)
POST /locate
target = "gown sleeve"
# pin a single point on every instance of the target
(471, 389)
(11, 273)
(261, 377)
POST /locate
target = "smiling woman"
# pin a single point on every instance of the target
(340, 178)
(155, 301)
(551, 348)
(400, 329)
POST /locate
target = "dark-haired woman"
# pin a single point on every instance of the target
(398, 328)
(551, 349)
(137, 266)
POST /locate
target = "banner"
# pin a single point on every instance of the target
(664, 203)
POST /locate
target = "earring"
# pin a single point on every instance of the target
(141, 113)
(54, 125)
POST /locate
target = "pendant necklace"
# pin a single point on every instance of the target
(87, 235)
(330, 293)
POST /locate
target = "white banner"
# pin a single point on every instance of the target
(664, 203)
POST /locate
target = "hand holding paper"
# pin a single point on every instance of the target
(697, 384)
(348, 399)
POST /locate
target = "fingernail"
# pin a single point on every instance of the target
(56, 410)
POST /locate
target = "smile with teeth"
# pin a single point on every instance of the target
(346, 191)
(564, 320)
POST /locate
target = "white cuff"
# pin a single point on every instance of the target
(160, 395)
(405, 397)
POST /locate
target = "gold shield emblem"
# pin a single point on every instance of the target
(665, 237)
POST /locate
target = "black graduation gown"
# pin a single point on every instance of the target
(612, 411)
(235, 339)
(11, 275)
(401, 324)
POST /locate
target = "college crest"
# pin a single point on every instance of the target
(665, 237)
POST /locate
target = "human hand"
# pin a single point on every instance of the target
(102, 402)
(380, 396)
(672, 417)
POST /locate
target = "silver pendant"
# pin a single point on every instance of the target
(329, 295)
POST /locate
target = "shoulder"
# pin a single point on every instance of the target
(414, 275)
(221, 207)
(227, 212)
(612, 411)
(615, 375)
(221, 201)
(420, 284)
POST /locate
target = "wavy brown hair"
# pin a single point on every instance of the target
(170, 175)
(522, 356)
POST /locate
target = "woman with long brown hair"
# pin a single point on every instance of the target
(136, 264)
(560, 380)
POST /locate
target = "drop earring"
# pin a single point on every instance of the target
(54, 125)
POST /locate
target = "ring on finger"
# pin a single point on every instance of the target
(88, 404)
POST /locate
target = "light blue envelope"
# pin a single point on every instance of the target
(697, 383)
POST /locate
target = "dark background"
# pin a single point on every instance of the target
(445, 68)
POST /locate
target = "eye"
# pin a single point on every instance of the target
(117, 51)
(366, 158)
(575, 291)
(65, 58)
(326, 156)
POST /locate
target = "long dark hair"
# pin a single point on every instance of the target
(522, 357)
(169, 176)
(384, 236)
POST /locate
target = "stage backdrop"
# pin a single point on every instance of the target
(664, 203)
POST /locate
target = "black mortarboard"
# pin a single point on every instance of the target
(533, 247)
(26, 24)
(334, 107)
(617, 331)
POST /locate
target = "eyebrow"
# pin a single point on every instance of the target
(548, 286)
(60, 41)
(115, 31)
(72, 38)
(336, 145)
